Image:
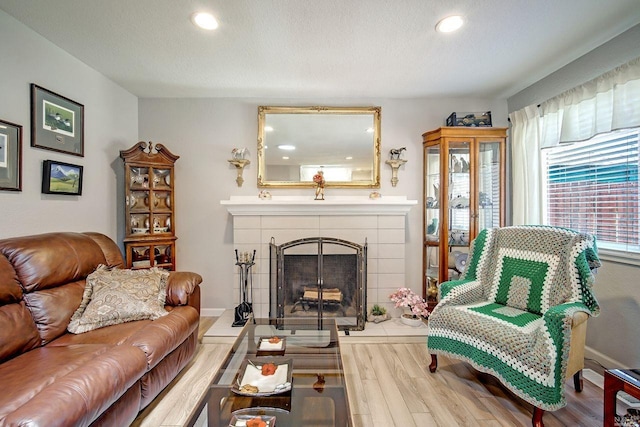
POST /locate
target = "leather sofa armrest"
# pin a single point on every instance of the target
(183, 288)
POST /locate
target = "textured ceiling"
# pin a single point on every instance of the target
(326, 48)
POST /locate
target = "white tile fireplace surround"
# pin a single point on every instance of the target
(381, 222)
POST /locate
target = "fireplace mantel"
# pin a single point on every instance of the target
(302, 205)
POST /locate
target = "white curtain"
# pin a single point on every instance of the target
(526, 166)
(609, 102)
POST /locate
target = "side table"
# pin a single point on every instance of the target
(615, 380)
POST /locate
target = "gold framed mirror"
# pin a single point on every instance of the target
(294, 143)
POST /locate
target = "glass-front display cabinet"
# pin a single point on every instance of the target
(464, 191)
(149, 206)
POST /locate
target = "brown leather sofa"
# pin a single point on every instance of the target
(49, 377)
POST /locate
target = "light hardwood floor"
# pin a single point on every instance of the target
(389, 384)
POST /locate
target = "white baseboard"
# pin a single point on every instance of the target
(604, 360)
(211, 312)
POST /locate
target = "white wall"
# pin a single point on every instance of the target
(204, 131)
(612, 338)
(111, 120)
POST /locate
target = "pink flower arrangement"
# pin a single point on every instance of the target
(405, 297)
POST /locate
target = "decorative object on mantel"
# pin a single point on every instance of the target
(375, 195)
(319, 180)
(244, 310)
(264, 195)
(418, 309)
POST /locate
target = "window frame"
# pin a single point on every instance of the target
(622, 256)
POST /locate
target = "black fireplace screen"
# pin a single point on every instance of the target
(319, 277)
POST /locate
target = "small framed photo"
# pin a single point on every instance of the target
(61, 178)
(10, 156)
(57, 123)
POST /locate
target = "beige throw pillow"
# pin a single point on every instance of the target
(114, 296)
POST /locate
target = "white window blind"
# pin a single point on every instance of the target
(592, 186)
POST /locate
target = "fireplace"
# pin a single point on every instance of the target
(319, 277)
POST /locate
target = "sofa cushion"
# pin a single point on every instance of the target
(113, 335)
(52, 308)
(18, 333)
(47, 260)
(114, 296)
(67, 386)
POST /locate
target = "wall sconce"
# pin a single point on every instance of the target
(395, 162)
(239, 161)
(239, 164)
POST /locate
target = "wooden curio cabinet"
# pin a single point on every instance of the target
(150, 238)
(464, 192)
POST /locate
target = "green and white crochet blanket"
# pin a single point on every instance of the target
(510, 315)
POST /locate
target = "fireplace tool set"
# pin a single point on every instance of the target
(244, 310)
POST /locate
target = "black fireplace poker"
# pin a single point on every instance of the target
(244, 310)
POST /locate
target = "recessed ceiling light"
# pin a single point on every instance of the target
(449, 24)
(268, 129)
(287, 147)
(285, 158)
(348, 158)
(204, 20)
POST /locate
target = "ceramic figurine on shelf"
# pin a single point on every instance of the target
(395, 153)
(430, 202)
(436, 189)
(319, 180)
(433, 227)
(240, 153)
(456, 166)
(465, 164)
(459, 202)
(485, 200)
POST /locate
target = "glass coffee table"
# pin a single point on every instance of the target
(307, 389)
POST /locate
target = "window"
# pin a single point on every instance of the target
(592, 186)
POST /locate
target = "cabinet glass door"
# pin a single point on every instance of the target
(432, 220)
(489, 191)
(459, 206)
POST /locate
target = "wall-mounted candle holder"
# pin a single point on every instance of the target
(239, 164)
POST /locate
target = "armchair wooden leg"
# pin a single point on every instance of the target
(577, 381)
(537, 417)
(434, 363)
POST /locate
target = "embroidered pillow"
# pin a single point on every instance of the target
(114, 296)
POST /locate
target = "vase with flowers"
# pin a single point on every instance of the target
(416, 305)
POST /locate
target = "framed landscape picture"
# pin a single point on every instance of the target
(61, 178)
(10, 156)
(57, 123)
